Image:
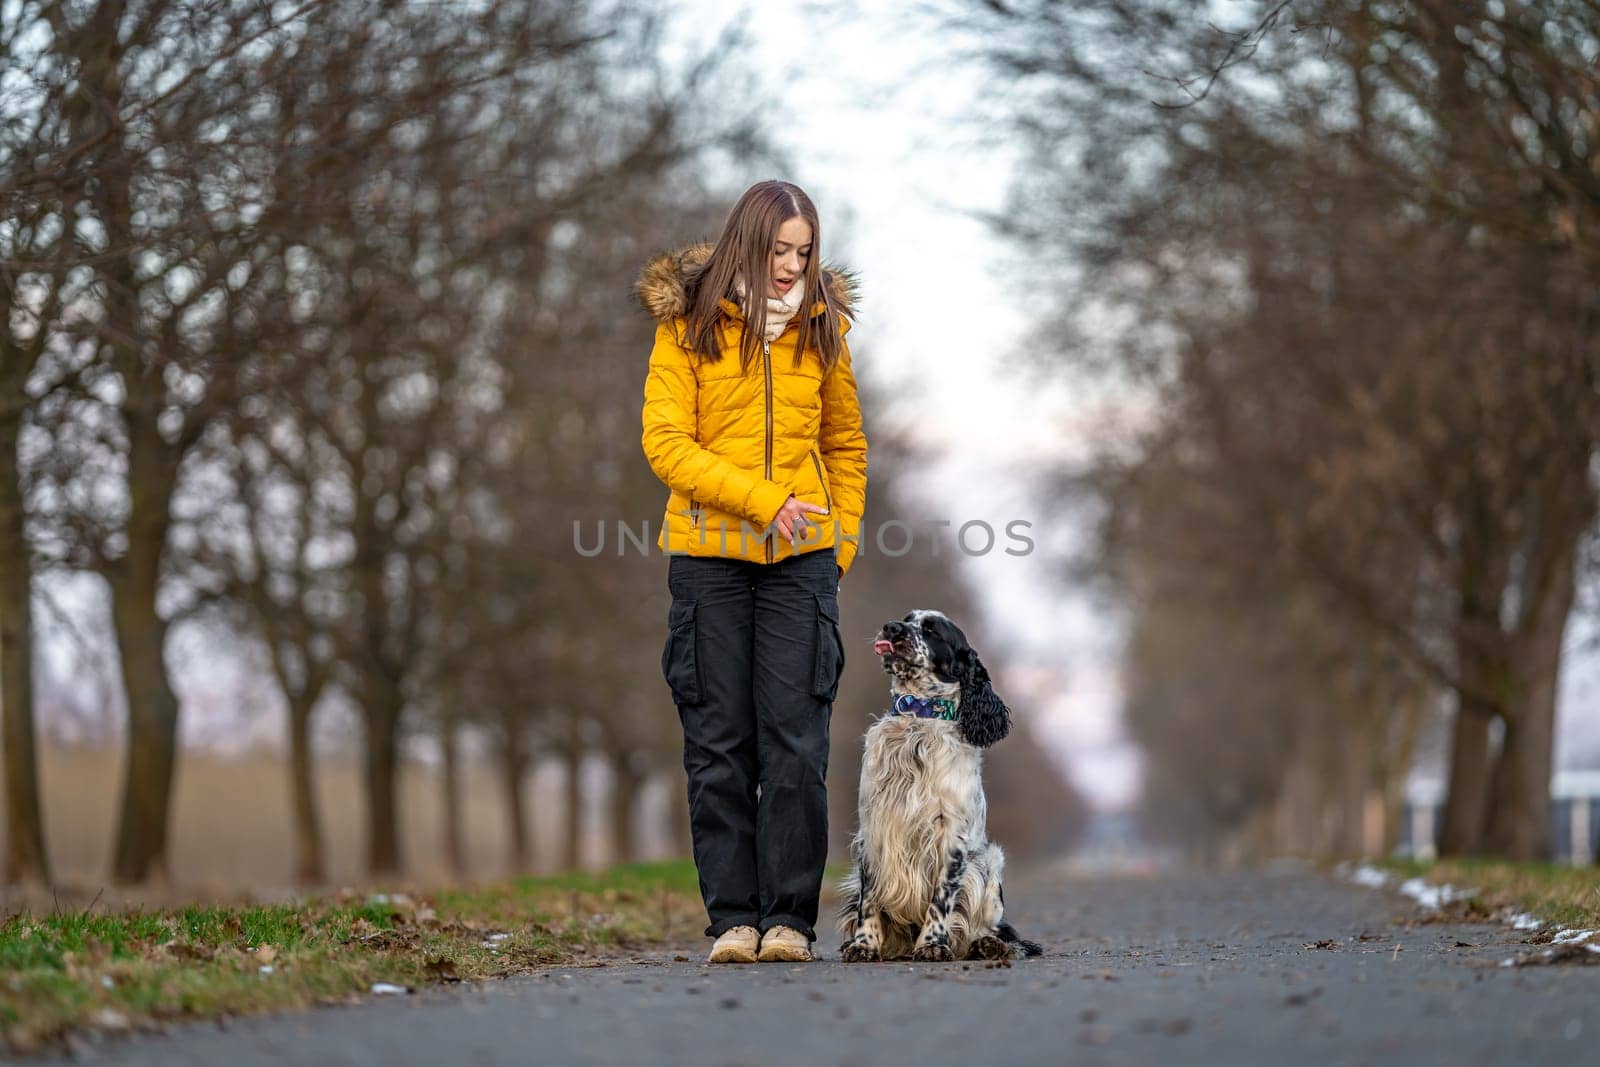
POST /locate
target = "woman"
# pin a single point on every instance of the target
(752, 421)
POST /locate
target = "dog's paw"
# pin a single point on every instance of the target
(989, 948)
(859, 952)
(933, 952)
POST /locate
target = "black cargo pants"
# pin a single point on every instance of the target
(753, 657)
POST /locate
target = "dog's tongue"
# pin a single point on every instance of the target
(882, 647)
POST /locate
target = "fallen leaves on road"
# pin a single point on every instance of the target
(1464, 910)
(1325, 943)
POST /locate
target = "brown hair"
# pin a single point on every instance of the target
(745, 251)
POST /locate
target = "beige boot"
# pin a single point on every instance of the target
(784, 945)
(736, 945)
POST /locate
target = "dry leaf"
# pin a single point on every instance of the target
(183, 950)
(402, 907)
(442, 969)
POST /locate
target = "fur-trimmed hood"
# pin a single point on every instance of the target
(663, 285)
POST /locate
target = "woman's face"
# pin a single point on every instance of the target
(790, 253)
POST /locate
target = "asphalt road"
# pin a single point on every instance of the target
(1193, 969)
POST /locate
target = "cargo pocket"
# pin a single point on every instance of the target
(680, 659)
(829, 663)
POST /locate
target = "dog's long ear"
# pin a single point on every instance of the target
(984, 717)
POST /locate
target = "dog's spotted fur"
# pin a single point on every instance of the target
(926, 878)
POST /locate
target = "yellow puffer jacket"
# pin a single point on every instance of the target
(732, 446)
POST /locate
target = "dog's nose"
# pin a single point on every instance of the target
(893, 629)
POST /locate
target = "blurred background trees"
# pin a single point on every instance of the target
(1345, 255)
(319, 364)
(319, 350)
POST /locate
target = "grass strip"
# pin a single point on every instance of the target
(1558, 894)
(86, 970)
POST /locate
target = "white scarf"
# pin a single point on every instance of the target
(779, 312)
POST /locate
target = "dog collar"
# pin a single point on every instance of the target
(930, 708)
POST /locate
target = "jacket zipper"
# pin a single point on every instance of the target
(766, 367)
(826, 498)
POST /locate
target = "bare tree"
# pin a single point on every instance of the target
(35, 261)
(1324, 250)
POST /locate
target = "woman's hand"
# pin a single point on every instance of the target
(788, 518)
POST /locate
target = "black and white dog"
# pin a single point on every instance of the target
(926, 878)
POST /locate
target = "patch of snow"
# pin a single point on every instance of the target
(266, 968)
(1369, 876)
(388, 987)
(1432, 896)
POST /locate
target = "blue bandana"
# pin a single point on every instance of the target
(930, 708)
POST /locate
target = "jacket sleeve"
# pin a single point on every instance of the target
(844, 448)
(671, 401)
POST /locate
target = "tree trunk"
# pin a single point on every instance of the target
(383, 708)
(1355, 776)
(140, 850)
(141, 846)
(1467, 796)
(513, 769)
(309, 866)
(1509, 817)
(1398, 765)
(1466, 804)
(572, 837)
(625, 784)
(26, 859)
(1520, 814)
(678, 829)
(1483, 570)
(455, 842)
